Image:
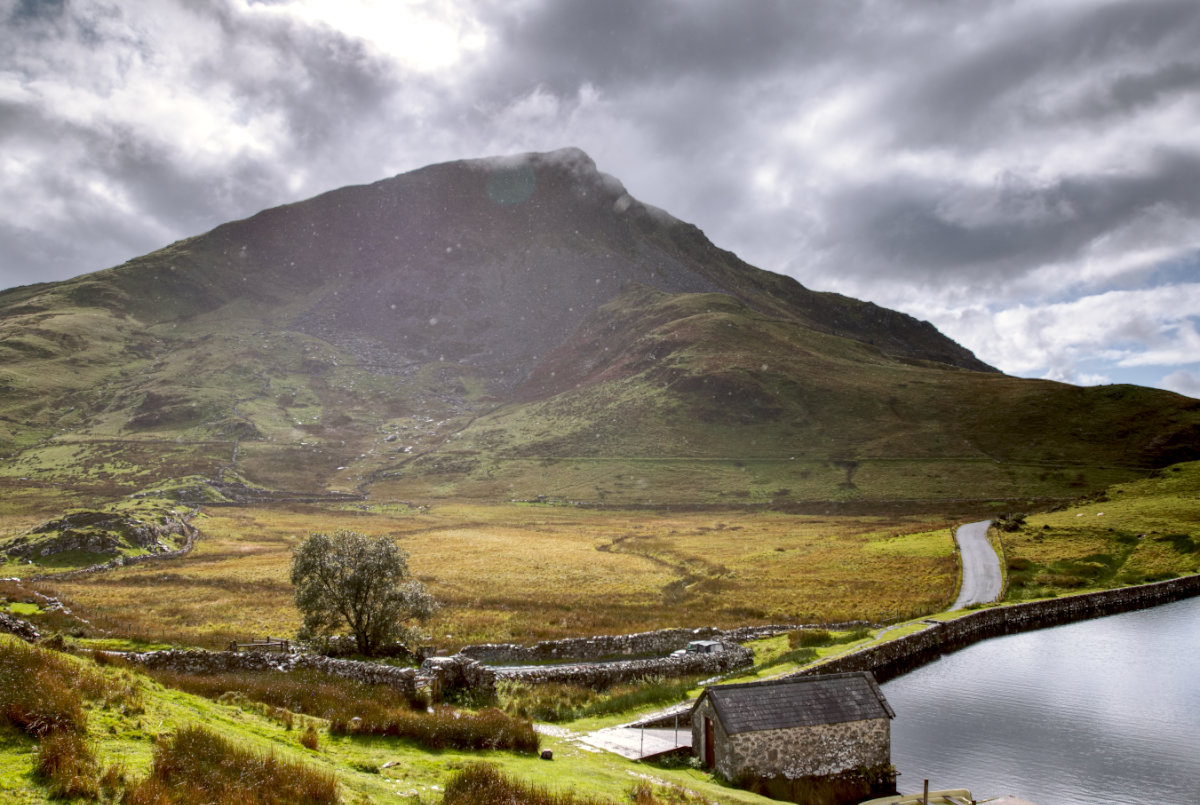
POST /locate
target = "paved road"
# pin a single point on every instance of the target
(980, 566)
(638, 744)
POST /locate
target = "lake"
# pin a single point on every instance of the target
(1101, 712)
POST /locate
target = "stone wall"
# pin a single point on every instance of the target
(608, 647)
(19, 627)
(605, 674)
(448, 676)
(218, 662)
(893, 658)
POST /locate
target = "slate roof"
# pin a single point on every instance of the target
(798, 702)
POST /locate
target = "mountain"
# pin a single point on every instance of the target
(521, 327)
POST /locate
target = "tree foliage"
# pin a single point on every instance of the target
(349, 580)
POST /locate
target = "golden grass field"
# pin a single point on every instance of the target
(527, 572)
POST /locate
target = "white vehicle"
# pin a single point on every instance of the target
(700, 647)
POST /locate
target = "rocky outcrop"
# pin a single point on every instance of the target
(104, 532)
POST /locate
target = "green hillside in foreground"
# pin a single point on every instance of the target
(429, 336)
(118, 718)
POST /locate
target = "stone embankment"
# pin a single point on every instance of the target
(601, 675)
(895, 657)
(219, 662)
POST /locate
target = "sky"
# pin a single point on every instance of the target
(1025, 175)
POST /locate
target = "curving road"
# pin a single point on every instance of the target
(981, 579)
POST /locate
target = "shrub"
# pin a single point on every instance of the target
(446, 728)
(198, 766)
(809, 638)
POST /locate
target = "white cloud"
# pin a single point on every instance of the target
(1123, 328)
(1183, 382)
(1022, 174)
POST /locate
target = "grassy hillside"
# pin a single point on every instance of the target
(1146, 530)
(122, 717)
(696, 398)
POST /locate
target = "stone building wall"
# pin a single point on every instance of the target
(814, 751)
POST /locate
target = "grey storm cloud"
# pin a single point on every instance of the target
(925, 156)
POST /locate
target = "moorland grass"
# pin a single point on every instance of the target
(444, 728)
(307, 692)
(558, 702)
(368, 768)
(42, 694)
(1131, 534)
(196, 766)
(551, 571)
(484, 784)
(356, 708)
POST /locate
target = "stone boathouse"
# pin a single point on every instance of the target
(824, 738)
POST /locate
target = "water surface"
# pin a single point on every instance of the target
(1101, 712)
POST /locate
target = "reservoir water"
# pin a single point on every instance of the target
(1101, 712)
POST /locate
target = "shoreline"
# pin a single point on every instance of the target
(899, 656)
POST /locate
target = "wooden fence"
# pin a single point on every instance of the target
(262, 644)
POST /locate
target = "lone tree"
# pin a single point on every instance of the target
(351, 580)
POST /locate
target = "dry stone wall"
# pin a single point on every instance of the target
(217, 662)
(891, 659)
(605, 674)
(459, 674)
(608, 647)
(19, 627)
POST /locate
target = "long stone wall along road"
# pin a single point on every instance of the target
(981, 578)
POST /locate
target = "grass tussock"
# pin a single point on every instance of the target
(198, 767)
(67, 764)
(42, 692)
(560, 702)
(446, 728)
(309, 738)
(484, 784)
